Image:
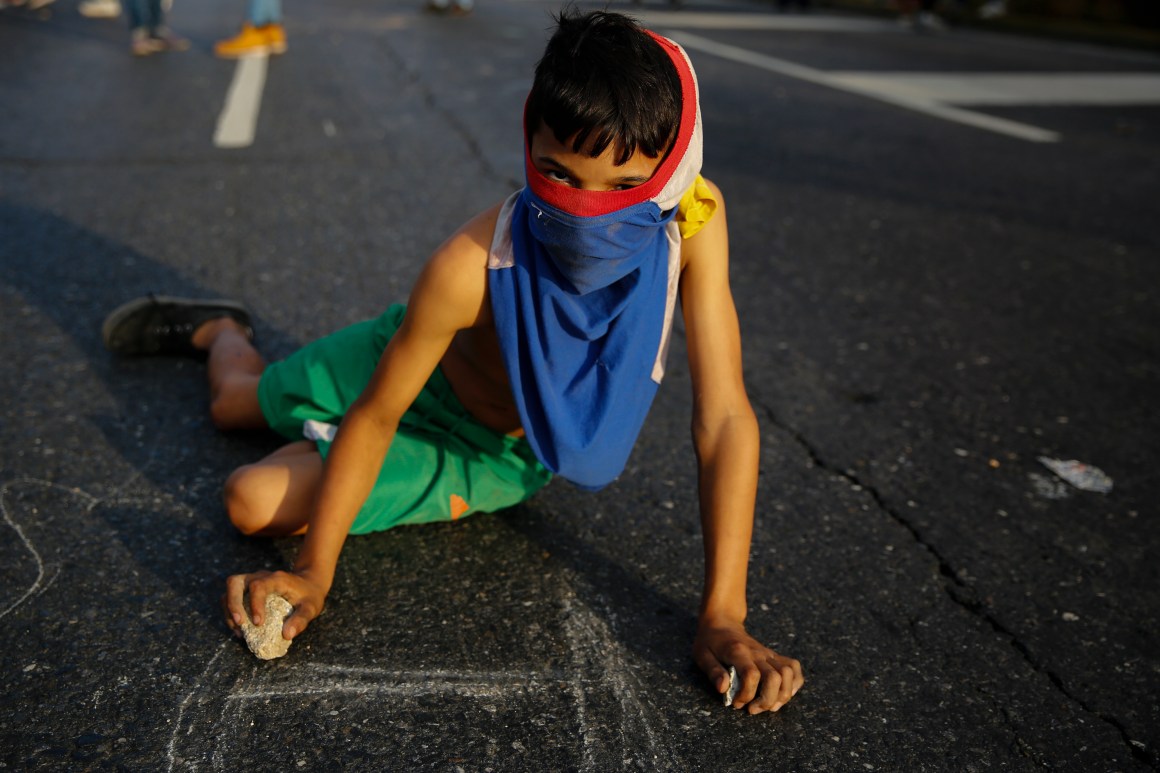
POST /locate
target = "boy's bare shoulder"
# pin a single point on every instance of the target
(455, 275)
(713, 187)
(711, 243)
(469, 246)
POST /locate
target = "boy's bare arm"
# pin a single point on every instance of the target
(449, 296)
(726, 438)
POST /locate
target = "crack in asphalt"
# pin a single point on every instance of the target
(1024, 748)
(961, 594)
(413, 77)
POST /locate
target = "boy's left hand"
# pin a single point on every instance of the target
(768, 680)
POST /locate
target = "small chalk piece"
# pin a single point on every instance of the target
(266, 640)
(734, 686)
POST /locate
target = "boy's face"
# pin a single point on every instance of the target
(560, 164)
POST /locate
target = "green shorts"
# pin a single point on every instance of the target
(442, 464)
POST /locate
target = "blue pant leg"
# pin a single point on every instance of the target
(263, 12)
(143, 13)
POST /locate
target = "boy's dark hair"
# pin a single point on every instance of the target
(603, 79)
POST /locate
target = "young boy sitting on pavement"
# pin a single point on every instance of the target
(531, 345)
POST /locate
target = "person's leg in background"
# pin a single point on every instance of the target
(148, 33)
(262, 33)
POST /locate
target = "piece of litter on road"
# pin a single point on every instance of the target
(1070, 617)
(1049, 487)
(1083, 476)
(734, 686)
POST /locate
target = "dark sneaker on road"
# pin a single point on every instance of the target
(159, 324)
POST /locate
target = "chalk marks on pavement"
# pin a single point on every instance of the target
(236, 705)
(597, 687)
(46, 572)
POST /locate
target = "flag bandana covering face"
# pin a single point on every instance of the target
(583, 290)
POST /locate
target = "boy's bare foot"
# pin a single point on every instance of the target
(159, 324)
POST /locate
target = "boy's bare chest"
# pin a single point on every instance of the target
(474, 366)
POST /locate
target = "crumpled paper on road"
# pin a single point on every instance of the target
(1080, 475)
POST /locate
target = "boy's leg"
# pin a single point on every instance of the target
(273, 497)
(217, 329)
(234, 368)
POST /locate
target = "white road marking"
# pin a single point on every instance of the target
(239, 116)
(876, 91)
(1015, 88)
(756, 21)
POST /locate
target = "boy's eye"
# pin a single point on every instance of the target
(556, 176)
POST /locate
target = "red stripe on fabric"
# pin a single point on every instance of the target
(595, 203)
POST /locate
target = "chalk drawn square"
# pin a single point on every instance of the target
(312, 715)
(336, 718)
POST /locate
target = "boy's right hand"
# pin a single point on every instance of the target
(768, 680)
(306, 596)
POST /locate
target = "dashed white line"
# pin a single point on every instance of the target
(239, 116)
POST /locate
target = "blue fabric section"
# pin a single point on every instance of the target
(580, 317)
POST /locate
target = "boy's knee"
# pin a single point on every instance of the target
(242, 497)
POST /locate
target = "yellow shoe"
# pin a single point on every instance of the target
(275, 37)
(249, 42)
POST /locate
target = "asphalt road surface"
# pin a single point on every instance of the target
(944, 253)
